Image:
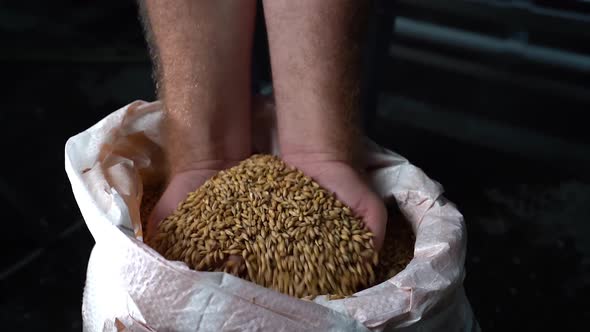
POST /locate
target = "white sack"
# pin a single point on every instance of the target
(131, 287)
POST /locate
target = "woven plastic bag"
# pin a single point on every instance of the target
(130, 287)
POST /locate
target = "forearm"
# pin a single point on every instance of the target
(202, 52)
(315, 56)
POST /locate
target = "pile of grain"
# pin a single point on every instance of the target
(269, 223)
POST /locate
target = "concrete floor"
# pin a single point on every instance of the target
(528, 261)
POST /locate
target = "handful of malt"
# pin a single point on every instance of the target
(268, 223)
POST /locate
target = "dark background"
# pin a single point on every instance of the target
(488, 97)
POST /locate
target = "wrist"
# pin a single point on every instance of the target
(330, 144)
(325, 128)
(192, 148)
(307, 154)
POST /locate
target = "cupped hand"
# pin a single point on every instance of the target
(179, 186)
(345, 182)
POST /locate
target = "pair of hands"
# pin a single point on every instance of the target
(336, 176)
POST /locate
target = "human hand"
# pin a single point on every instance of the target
(340, 178)
(180, 185)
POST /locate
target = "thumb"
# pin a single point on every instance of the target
(178, 189)
(165, 207)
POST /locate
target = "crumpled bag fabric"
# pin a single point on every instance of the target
(130, 287)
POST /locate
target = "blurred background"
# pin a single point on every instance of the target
(490, 98)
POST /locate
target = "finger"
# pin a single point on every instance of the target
(365, 203)
(165, 206)
(375, 218)
(178, 189)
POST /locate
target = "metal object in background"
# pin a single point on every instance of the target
(534, 52)
(550, 150)
(510, 47)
